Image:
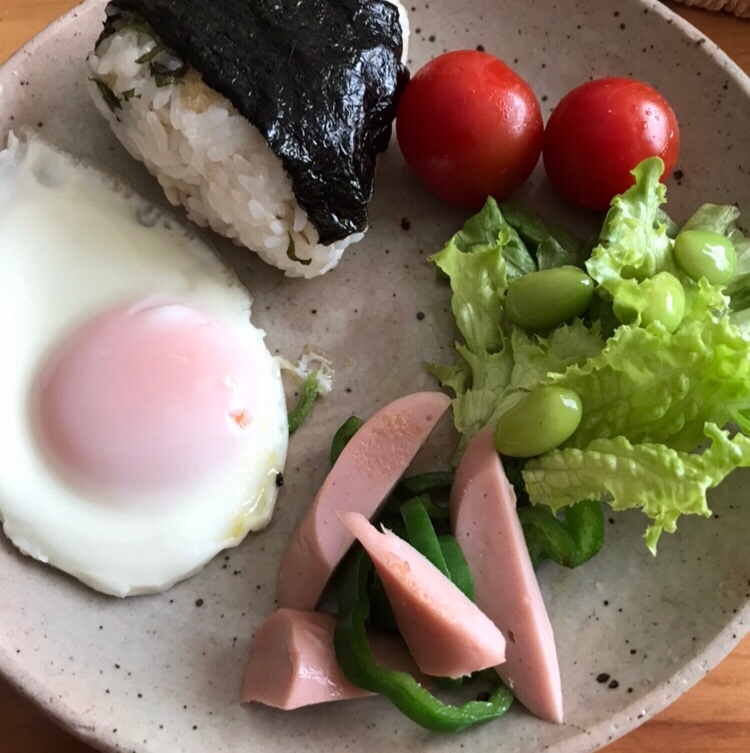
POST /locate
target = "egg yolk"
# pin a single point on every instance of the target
(147, 396)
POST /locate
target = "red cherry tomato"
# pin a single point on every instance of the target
(600, 131)
(469, 127)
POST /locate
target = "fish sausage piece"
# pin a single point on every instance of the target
(486, 525)
(360, 481)
(446, 633)
(293, 661)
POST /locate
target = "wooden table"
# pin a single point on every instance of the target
(714, 717)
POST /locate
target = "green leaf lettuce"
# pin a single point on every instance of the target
(662, 482)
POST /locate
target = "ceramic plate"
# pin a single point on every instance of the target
(162, 673)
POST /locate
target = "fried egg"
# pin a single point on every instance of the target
(142, 419)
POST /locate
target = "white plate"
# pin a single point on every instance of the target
(160, 674)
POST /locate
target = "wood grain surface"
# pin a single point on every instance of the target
(714, 717)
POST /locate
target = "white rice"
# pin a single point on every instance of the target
(208, 158)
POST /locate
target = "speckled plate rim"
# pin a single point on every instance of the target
(588, 741)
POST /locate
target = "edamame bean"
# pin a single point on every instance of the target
(542, 300)
(667, 301)
(543, 420)
(701, 253)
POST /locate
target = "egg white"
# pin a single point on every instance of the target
(74, 243)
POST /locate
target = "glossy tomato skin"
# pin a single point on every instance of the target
(469, 127)
(600, 131)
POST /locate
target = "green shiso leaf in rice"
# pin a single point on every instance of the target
(291, 252)
(165, 66)
(147, 57)
(167, 75)
(118, 20)
(110, 98)
(137, 24)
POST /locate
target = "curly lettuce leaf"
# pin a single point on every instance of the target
(488, 371)
(636, 243)
(480, 260)
(487, 379)
(488, 384)
(489, 230)
(633, 243)
(722, 219)
(741, 243)
(550, 253)
(455, 378)
(670, 226)
(703, 299)
(552, 245)
(660, 481)
(649, 386)
(536, 359)
(478, 283)
(475, 409)
(714, 218)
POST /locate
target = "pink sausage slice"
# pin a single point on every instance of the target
(446, 633)
(293, 661)
(486, 525)
(360, 481)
